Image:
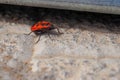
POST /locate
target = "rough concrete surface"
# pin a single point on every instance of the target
(88, 49)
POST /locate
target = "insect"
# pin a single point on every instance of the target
(42, 27)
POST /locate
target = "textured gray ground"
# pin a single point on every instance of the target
(89, 49)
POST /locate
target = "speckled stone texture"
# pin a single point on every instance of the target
(89, 49)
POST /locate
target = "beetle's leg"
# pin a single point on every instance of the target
(38, 39)
(58, 30)
(48, 32)
(29, 33)
(49, 35)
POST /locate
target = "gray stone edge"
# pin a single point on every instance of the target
(66, 5)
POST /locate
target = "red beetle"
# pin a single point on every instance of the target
(42, 27)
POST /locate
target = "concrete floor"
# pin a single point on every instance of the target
(89, 49)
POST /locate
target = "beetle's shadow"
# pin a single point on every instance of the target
(52, 32)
